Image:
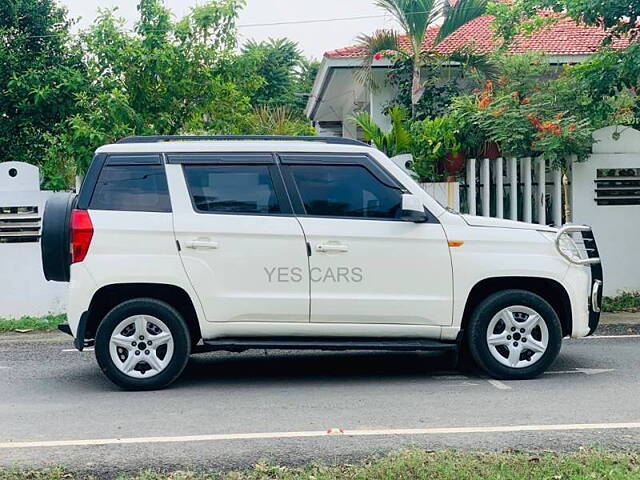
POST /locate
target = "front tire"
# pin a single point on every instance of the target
(143, 344)
(514, 335)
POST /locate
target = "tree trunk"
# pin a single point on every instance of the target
(417, 89)
(568, 214)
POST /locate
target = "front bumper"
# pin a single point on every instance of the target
(595, 305)
(590, 250)
(597, 280)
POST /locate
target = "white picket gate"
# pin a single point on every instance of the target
(514, 188)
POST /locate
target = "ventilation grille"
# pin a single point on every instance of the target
(618, 186)
(19, 224)
(586, 243)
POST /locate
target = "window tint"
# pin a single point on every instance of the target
(232, 189)
(135, 188)
(345, 191)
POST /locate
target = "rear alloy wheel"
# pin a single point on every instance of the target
(143, 344)
(514, 334)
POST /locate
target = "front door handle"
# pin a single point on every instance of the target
(332, 248)
(202, 244)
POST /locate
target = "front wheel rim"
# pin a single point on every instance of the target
(517, 337)
(141, 346)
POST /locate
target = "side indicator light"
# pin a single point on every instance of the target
(456, 243)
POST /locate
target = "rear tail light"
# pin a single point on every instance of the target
(81, 235)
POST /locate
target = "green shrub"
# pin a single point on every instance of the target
(43, 324)
(625, 302)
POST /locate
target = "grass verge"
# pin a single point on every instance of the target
(625, 302)
(41, 324)
(417, 464)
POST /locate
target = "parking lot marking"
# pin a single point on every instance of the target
(499, 385)
(312, 434)
(595, 337)
(586, 371)
(78, 351)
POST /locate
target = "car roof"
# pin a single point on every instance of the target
(231, 146)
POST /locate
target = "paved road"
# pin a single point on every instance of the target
(48, 394)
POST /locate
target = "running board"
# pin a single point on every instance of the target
(333, 343)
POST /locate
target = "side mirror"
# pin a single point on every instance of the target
(412, 209)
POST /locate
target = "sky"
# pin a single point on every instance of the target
(314, 38)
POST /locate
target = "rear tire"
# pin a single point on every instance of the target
(514, 335)
(143, 344)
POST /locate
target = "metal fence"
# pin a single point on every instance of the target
(525, 189)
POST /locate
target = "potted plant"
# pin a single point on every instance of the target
(491, 150)
(473, 138)
(437, 147)
(454, 161)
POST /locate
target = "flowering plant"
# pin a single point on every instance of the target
(560, 137)
(527, 118)
(500, 116)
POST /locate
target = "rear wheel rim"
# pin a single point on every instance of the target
(141, 346)
(517, 337)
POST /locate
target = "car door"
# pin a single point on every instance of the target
(242, 248)
(366, 265)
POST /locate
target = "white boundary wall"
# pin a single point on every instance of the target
(447, 194)
(23, 288)
(616, 227)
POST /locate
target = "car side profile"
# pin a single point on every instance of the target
(181, 245)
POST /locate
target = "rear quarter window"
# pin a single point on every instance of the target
(131, 187)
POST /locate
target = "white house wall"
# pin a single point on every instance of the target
(380, 99)
(616, 227)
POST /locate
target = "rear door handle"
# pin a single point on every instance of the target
(332, 248)
(202, 244)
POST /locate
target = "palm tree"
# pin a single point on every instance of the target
(394, 142)
(416, 17)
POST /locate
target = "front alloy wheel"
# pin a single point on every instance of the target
(514, 335)
(517, 336)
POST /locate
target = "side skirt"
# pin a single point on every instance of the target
(319, 343)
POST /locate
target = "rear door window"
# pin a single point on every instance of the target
(135, 184)
(232, 189)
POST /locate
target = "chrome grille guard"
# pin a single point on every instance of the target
(588, 240)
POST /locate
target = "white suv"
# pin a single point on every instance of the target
(178, 245)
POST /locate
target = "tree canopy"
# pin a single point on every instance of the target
(41, 71)
(63, 95)
(618, 17)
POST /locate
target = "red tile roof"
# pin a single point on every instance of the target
(563, 37)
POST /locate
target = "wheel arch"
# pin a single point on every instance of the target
(109, 296)
(550, 290)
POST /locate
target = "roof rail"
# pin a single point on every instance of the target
(280, 138)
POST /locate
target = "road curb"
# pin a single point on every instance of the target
(620, 318)
(618, 329)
